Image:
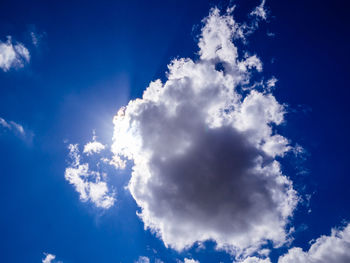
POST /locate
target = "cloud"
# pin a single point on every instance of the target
(12, 126)
(260, 11)
(271, 83)
(188, 260)
(143, 260)
(48, 258)
(204, 153)
(333, 248)
(13, 55)
(255, 260)
(93, 146)
(35, 39)
(91, 185)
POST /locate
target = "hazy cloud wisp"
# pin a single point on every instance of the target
(12, 126)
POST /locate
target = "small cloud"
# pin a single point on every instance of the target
(35, 39)
(188, 260)
(255, 260)
(270, 34)
(13, 55)
(12, 126)
(260, 11)
(143, 260)
(271, 83)
(94, 146)
(4, 123)
(48, 258)
(115, 161)
(18, 127)
(91, 185)
(35, 36)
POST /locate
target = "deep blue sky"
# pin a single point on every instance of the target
(94, 56)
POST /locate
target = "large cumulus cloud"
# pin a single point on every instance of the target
(204, 149)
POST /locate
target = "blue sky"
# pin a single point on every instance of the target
(204, 148)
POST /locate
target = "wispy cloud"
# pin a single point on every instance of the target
(12, 126)
(260, 11)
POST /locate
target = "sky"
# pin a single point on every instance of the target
(174, 131)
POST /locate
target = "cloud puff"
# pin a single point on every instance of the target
(91, 185)
(143, 260)
(48, 258)
(93, 146)
(204, 149)
(188, 260)
(12, 126)
(255, 260)
(333, 248)
(13, 55)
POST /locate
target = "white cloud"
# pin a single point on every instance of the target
(12, 126)
(89, 184)
(116, 161)
(271, 82)
(255, 260)
(260, 11)
(143, 260)
(326, 249)
(13, 55)
(36, 38)
(204, 154)
(188, 260)
(4, 123)
(93, 146)
(48, 258)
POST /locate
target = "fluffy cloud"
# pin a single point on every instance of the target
(13, 55)
(12, 126)
(48, 258)
(255, 260)
(91, 185)
(143, 260)
(188, 260)
(93, 147)
(204, 149)
(333, 248)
